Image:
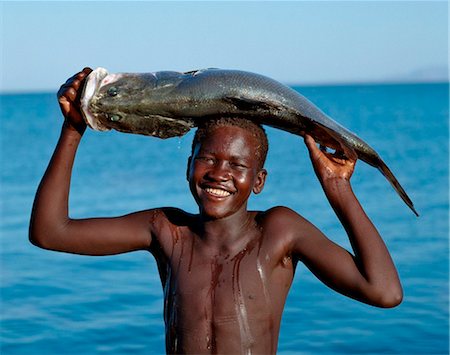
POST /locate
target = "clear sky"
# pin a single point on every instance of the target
(42, 43)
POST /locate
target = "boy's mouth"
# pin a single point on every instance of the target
(217, 192)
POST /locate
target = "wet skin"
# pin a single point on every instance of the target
(221, 298)
(225, 271)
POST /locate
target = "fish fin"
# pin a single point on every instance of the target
(394, 182)
(191, 72)
(198, 71)
(371, 158)
(246, 104)
(375, 160)
(155, 126)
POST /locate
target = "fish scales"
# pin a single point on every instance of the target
(167, 104)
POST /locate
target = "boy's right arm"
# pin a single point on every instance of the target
(50, 225)
(369, 274)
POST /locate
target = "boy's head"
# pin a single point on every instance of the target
(256, 130)
(226, 166)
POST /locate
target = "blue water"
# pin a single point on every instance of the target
(55, 303)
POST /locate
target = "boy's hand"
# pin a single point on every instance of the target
(329, 166)
(69, 100)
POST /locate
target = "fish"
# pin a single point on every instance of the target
(168, 104)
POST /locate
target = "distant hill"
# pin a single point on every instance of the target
(423, 75)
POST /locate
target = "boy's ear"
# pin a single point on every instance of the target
(260, 181)
(188, 167)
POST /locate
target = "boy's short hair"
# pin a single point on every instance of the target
(255, 129)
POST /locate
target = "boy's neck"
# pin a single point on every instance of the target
(229, 233)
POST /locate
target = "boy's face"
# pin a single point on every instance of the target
(223, 171)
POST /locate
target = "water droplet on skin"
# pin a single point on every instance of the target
(241, 310)
(286, 261)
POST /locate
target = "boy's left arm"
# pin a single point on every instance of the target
(370, 275)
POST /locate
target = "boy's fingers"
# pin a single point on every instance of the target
(65, 104)
(72, 78)
(80, 78)
(76, 83)
(313, 149)
(310, 142)
(71, 94)
(87, 70)
(76, 78)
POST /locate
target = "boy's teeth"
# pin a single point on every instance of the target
(217, 192)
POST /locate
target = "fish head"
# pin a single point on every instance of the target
(108, 97)
(131, 103)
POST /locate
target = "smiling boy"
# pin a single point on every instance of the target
(225, 271)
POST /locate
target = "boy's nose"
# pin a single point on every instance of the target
(219, 172)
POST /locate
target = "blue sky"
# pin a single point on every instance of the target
(42, 43)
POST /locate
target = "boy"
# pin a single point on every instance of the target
(226, 271)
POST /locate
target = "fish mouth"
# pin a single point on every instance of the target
(93, 83)
(217, 192)
(96, 80)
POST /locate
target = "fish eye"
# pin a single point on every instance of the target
(114, 118)
(112, 91)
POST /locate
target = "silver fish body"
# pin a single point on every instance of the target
(167, 104)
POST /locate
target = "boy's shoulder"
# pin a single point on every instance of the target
(280, 215)
(171, 215)
(282, 229)
(282, 222)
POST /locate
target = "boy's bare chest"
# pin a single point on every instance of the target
(222, 284)
(212, 295)
(215, 277)
(223, 281)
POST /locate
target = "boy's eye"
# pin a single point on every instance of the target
(205, 160)
(238, 165)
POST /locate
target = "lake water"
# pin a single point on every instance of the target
(56, 303)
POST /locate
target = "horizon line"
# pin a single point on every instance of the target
(289, 84)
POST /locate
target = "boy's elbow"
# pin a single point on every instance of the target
(36, 239)
(39, 237)
(42, 241)
(34, 232)
(390, 299)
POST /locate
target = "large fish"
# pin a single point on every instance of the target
(167, 104)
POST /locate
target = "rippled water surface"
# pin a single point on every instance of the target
(55, 303)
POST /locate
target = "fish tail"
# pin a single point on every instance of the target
(375, 160)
